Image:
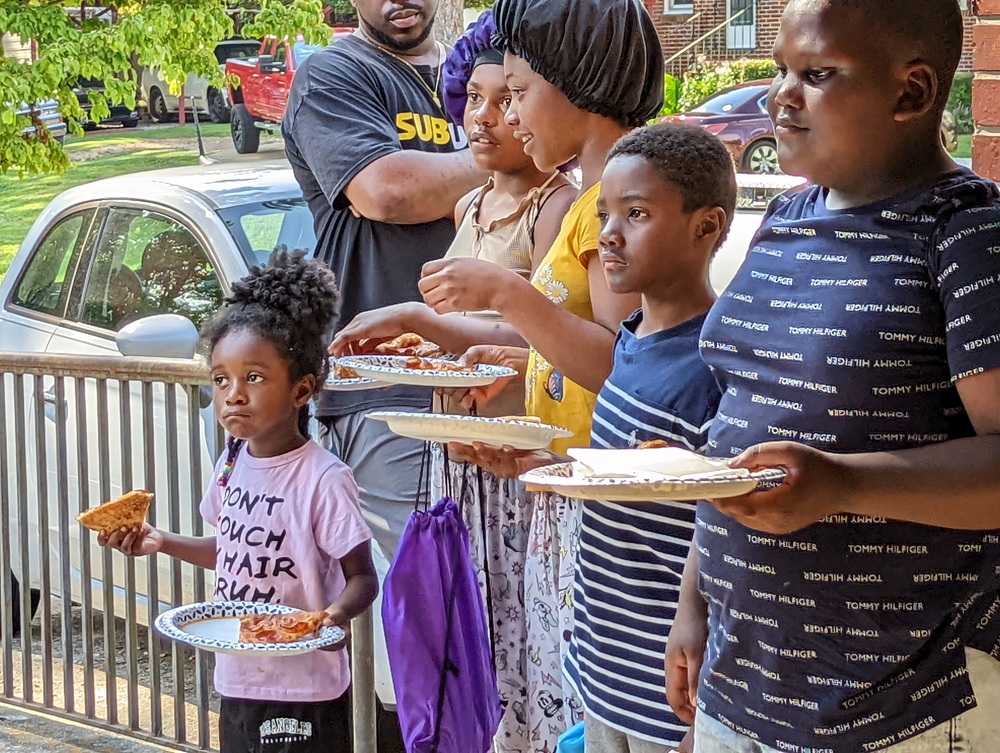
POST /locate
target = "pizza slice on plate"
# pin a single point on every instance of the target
(409, 344)
(128, 511)
(279, 628)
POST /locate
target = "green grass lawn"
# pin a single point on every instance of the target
(22, 199)
(964, 147)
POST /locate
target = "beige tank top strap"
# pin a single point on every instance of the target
(538, 196)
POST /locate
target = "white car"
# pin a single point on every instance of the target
(127, 264)
(98, 270)
(164, 106)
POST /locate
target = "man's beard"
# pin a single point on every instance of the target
(390, 42)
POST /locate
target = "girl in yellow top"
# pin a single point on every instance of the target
(581, 75)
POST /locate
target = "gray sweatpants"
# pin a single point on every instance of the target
(386, 467)
(606, 739)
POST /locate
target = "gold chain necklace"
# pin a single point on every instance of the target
(440, 65)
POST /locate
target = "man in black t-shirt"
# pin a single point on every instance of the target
(382, 169)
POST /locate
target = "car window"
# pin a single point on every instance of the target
(264, 227)
(762, 105)
(148, 264)
(280, 52)
(724, 103)
(44, 287)
(226, 52)
(301, 50)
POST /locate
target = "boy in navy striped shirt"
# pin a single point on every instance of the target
(667, 200)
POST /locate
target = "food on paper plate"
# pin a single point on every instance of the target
(409, 344)
(654, 444)
(415, 363)
(343, 372)
(279, 628)
(128, 511)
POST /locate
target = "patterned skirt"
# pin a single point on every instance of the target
(524, 547)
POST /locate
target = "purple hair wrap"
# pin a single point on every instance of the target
(461, 61)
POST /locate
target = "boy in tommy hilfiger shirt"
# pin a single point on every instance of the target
(845, 608)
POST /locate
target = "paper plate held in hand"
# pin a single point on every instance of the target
(673, 462)
(215, 626)
(570, 480)
(514, 432)
(343, 379)
(425, 372)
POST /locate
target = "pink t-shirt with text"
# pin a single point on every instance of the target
(282, 526)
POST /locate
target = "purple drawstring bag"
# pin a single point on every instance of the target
(437, 638)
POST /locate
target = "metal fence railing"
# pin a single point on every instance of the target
(76, 629)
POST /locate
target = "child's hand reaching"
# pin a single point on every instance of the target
(134, 542)
(502, 463)
(493, 355)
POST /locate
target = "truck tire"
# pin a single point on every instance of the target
(246, 137)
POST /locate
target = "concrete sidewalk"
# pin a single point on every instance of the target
(23, 732)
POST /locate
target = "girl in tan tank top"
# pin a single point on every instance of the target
(510, 221)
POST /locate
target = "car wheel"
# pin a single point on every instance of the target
(246, 137)
(762, 158)
(15, 596)
(158, 106)
(217, 109)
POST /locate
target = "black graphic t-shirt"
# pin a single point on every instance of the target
(350, 105)
(847, 331)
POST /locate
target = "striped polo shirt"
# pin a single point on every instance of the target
(632, 555)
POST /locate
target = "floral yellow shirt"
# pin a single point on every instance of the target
(562, 277)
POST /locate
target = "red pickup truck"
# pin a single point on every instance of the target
(260, 98)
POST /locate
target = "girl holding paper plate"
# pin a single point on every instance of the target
(581, 75)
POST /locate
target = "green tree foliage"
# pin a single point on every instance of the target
(706, 79)
(177, 37)
(960, 102)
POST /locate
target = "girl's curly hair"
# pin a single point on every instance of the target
(292, 301)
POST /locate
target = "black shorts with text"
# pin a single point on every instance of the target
(271, 727)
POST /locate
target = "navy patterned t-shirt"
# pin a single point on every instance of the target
(847, 331)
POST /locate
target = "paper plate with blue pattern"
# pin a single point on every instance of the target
(570, 480)
(352, 383)
(215, 626)
(432, 372)
(517, 432)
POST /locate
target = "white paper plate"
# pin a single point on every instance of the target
(430, 427)
(569, 480)
(660, 461)
(390, 369)
(349, 385)
(353, 385)
(215, 626)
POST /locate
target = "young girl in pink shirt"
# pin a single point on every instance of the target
(288, 523)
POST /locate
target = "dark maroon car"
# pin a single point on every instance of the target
(738, 116)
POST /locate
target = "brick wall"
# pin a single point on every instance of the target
(678, 31)
(986, 89)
